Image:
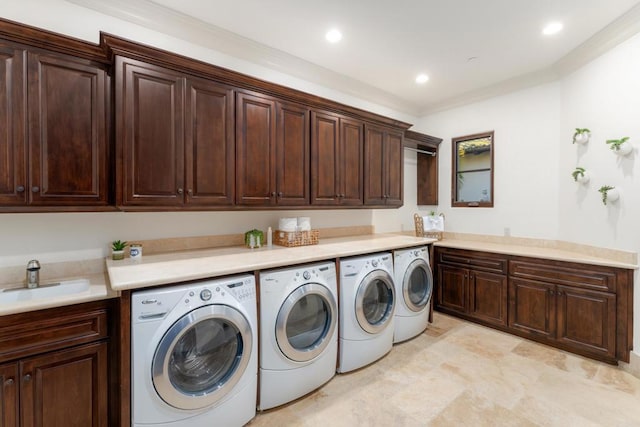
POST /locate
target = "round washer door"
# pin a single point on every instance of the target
(306, 322)
(417, 285)
(202, 356)
(375, 301)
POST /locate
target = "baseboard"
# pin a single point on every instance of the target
(633, 367)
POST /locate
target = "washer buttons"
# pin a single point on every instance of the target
(374, 263)
(205, 295)
(306, 275)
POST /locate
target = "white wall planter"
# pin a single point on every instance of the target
(582, 138)
(609, 196)
(583, 178)
(624, 149)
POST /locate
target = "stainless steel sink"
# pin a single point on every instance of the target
(51, 290)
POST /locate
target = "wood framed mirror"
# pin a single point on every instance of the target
(472, 170)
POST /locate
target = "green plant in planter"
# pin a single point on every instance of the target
(616, 143)
(117, 245)
(604, 190)
(578, 172)
(579, 131)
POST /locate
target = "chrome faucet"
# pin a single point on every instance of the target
(33, 274)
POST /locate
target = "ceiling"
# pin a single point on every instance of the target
(470, 49)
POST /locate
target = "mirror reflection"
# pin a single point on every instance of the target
(472, 180)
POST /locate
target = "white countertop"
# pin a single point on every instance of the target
(176, 267)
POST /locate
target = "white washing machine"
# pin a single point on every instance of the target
(414, 287)
(367, 303)
(194, 354)
(298, 331)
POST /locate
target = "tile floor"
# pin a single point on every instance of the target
(460, 374)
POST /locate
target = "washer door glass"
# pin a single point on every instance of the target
(417, 285)
(306, 322)
(375, 301)
(202, 356)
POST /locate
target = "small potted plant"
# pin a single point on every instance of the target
(117, 249)
(581, 135)
(609, 193)
(620, 146)
(580, 175)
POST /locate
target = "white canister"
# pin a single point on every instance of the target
(304, 223)
(288, 224)
(135, 251)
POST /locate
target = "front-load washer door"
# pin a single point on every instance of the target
(375, 301)
(417, 285)
(202, 356)
(306, 322)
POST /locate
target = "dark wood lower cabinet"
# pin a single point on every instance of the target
(581, 308)
(58, 366)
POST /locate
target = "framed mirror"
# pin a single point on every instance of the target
(472, 170)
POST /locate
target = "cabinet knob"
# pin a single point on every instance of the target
(551, 292)
(35, 189)
(20, 188)
(273, 194)
(190, 192)
(27, 378)
(280, 194)
(180, 191)
(8, 382)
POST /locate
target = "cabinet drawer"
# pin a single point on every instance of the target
(470, 259)
(37, 332)
(563, 273)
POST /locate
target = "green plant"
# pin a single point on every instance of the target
(604, 190)
(616, 143)
(578, 132)
(117, 245)
(577, 172)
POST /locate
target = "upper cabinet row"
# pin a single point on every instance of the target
(122, 125)
(191, 142)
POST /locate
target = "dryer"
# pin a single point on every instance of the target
(194, 354)
(298, 331)
(367, 303)
(414, 287)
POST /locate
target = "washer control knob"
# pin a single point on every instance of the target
(374, 262)
(306, 275)
(205, 295)
(416, 253)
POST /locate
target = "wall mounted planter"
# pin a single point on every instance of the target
(622, 146)
(581, 136)
(609, 194)
(580, 175)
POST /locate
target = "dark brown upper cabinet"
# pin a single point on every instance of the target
(54, 138)
(472, 170)
(177, 138)
(292, 154)
(383, 167)
(337, 147)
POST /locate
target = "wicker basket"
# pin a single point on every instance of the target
(297, 238)
(419, 225)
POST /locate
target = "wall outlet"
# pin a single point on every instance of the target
(507, 231)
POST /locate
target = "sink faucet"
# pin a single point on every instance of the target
(33, 274)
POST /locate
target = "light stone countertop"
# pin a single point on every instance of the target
(550, 253)
(99, 289)
(161, 269)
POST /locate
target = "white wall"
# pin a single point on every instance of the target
(61, 237)
(527, 135)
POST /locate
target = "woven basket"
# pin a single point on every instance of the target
(297, 238)
(419, 225)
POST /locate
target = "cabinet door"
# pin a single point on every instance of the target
(452, 288)
(151, 102)
(351, 162)
(488, 297)
(65, 388)
(325, 155)
(209, 143)
(533, 307)
(375, 186)
(13, 175)
(292, 154)
(67, 132)
(587, 320)
(9, 395)
(394, 167)
(255, 150)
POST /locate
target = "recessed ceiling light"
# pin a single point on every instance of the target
(422, 79)
(333, 36)
(552, 28)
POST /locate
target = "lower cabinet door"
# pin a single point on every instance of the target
(452, 288)
(533, 307)
(488, 297)
(65, 388)
(587, 320)
(9, 395)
